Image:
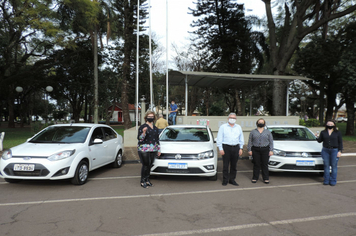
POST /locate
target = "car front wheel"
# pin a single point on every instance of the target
(81, 173)
(118, 160)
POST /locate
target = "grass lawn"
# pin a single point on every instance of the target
(342, 128)
(18, 135)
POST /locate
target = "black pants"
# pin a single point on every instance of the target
(147, 159)
(260, 162)
(230, 159)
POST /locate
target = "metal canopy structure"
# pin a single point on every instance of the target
(224, 80)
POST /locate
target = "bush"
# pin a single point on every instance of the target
(301, 122)
(312, 123)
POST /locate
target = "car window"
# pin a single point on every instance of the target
(64, 134)
(287, 133)
(109, 133)
(97, 133)
(185, 134)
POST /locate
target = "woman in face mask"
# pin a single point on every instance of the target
(260, 146)
(148, 147)
(331, 151)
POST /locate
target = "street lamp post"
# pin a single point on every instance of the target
(48, 90)
(19, 90)
(302, 99)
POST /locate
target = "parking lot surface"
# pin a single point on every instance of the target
(113, 203)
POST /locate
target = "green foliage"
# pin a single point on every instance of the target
(302, 122)
(312, 123)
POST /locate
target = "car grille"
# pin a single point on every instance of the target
(174, 156)
(179, 171)
(299, 154)
(295, 167)
(39, 171)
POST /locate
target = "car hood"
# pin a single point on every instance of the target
(41, 149)
(298, 146)
(185, 147)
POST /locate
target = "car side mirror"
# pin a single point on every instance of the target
(98, 141)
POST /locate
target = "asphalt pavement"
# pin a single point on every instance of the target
(113, 203)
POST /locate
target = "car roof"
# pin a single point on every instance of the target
(188, 126)
(285, 126)
(81, 124)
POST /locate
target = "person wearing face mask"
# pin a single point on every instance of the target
(260, 147)
(230, 142)
(331, 151)
(148, 147)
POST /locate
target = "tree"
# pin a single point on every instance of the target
(226, 44)
(299, 20)
(28, 33)
(126, 18)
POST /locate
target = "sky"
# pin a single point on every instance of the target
(179, 20)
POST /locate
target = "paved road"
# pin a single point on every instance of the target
(113, 203)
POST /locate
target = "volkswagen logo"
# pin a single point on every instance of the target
(27, 158)
(305, 155)
(178, 156)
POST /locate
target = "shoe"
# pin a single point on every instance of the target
(254, 181)
(266, 181)
(332, 184)
(148, 182)
(144, 185)
(224, 183)
(233, 182)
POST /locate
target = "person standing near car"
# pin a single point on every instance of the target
(230, 142)
(161, 123)
(331, 151)
(260, 147)
(173, 112)
(148, 147)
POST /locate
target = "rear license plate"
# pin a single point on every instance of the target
(177, 166)
(24, 167)
(305, 163)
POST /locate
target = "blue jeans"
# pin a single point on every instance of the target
(173, 115)
(330, 159)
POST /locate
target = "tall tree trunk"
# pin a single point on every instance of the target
(96, 84)
(238, 102)
(321, 102)
(350, 126)
(10, 102)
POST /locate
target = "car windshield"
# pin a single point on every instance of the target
(185, 134)
(288, 134)
(62, 134)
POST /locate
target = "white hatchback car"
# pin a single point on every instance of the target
(187, 150)
(295, 149)
(65, 151)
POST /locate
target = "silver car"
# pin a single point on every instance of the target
(187, 150)
(295, 149)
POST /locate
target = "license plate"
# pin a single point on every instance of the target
(24, 167)
(305, 163)
(177, 166)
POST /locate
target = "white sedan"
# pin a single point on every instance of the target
(187, 150)
(295, 149)
(66, 151)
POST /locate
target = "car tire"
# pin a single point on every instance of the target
(118, 160)
(81, 173)
(215, 177)
(13, 180)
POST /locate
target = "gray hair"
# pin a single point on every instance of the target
(160, 115)
(232, 113)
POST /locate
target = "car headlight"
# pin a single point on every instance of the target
(206, 155)
(279, 153)
(6, 154)
(61, 155)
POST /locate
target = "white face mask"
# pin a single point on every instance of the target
(232, 121)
